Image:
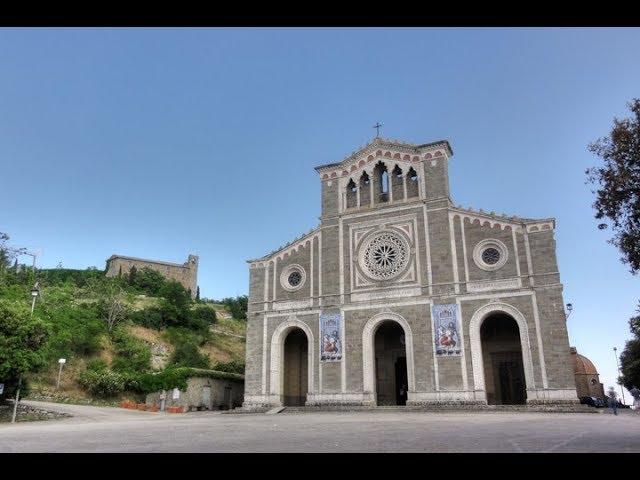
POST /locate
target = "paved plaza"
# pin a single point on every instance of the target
(96, 429)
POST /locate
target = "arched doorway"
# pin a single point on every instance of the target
(295, 381)
(390, 364)
(502, 358)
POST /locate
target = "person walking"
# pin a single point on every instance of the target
(613, 400)
(635, 393)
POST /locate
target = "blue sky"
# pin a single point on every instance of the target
(161, 142)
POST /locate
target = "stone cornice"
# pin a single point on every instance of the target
(503, 221)
(285, 249)
(385, 148)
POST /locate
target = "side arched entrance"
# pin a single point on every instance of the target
(501, 354)
(387, 344)
(291, 378)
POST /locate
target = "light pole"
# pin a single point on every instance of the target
(34, 294)
(569, 309)
(62, 361)
(615, 352)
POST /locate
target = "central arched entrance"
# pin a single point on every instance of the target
(392, 381)
(295, 381)
(502, 358)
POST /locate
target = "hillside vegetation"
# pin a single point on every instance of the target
(121, 337)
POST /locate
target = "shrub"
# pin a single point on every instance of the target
(237, 306)
(97, 365)
(148, 281)
(176, 294)
(102, 383)
(187, 355)
(230, 367)
(205, 314)
(151, 317)
(132, 354)
(76, 330)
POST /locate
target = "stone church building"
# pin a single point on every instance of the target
(399, 297)
(184, 273)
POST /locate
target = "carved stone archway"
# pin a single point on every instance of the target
(276, 385)
(368, 353)
(476, 344)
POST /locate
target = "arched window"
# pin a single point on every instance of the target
(381, 179)
(412, 183)
(397, 184)
(365, 190)
(352, 194)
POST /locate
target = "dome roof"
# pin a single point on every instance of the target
(584, 366)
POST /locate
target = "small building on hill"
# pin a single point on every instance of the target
(206, 390)
(186, 273)
(587, 378)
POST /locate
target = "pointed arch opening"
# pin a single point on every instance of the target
(381, 183)
(352, 194)
(365, 189)
(397, 184)
(412, 183)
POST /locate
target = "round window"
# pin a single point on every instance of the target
(293, 277)
(384, 255)
(490, 254)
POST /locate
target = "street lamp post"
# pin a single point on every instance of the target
(615, 352)
(34, 294)
(569, 309)
(62, 361)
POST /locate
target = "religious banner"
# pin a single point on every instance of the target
(446, 328)
(330, 338)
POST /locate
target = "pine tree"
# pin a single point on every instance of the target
(132, 275)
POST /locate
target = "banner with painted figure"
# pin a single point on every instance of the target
(446, 328)
(330, 338)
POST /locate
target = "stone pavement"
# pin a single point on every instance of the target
(96, 429)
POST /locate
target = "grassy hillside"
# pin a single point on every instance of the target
(114, 333)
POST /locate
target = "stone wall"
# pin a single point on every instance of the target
(186, 274)
(193, 397)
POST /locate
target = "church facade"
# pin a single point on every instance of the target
(399, 297)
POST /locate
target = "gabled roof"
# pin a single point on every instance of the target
(378, 142)
(159, 262)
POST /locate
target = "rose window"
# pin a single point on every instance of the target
(491, 256)
(295, 278)
(384, 256)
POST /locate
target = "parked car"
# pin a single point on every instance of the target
(592, 402)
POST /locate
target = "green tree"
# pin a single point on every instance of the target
(132, 275)
(22, 338)
(176, 294)
(618, 205)
(187, 354)
(112, 301)
(630, 356)
(618, 185)
(149, 281)
(7, 252)
(237, 306)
